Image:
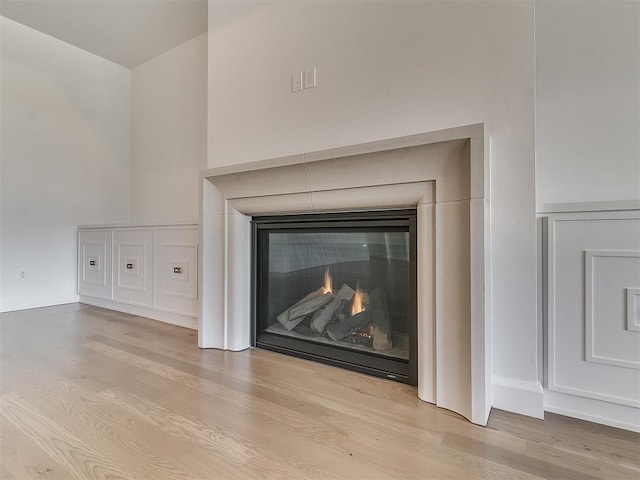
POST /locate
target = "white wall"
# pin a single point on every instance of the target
(387, 69)
(65, 160)
(587, 101)
(169, 116)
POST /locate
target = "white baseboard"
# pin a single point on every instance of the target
(592, 410)
(518, 396)
(15, 307)
(166, 317)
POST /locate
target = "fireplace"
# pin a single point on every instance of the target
(442, 175)
(339, 289)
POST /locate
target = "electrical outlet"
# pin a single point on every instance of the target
(23, 274)
(296, 82)
(310, 77)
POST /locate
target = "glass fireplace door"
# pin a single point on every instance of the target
(339, 289)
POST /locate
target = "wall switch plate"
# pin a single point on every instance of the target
(296, 82)
(310, 77)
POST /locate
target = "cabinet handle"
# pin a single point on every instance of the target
(92, 263)
(129, 266)
(177, 269)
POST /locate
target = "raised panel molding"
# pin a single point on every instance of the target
(633, 309)
(133, 266)
(592, 349)
(176, 271)
(94, 264)
(616, 290)
(140, 311)
(181, 284)
(132, 272)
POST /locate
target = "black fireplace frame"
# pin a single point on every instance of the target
(405, 371)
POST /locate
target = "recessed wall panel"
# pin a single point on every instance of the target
(94, 263)
(608, 339)
(176, 272)
(133, 267)
(593, 263)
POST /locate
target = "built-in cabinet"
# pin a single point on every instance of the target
(591, 287)
(151, 271)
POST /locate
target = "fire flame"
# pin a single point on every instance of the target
(328, 282)
(358, 302)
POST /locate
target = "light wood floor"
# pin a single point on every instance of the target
(91, 393)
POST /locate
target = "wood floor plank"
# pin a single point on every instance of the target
(273, 415)
(79, 458)
(534, 466)
(108, 429)
(333, 431)
(365, 396)
(21, 458)
(91, 393)
(584, 464)
(575, 437)
(262, 428)
(232, 449)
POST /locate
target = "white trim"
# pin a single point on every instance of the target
(184, 264)
(139, 226)
(576, 207)
(592, 410)
(590, 355)
(101, 261)
(518, 396)
(581, 392)
(136, 272)
(141, 311)
(633, 307)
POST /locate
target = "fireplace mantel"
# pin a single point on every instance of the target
(443, 174)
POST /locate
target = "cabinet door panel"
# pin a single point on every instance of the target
(94, 263)
(176, 274)
(133, 267)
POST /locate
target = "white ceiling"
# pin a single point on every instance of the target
(128, 32)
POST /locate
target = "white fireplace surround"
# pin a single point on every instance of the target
(443, 174)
